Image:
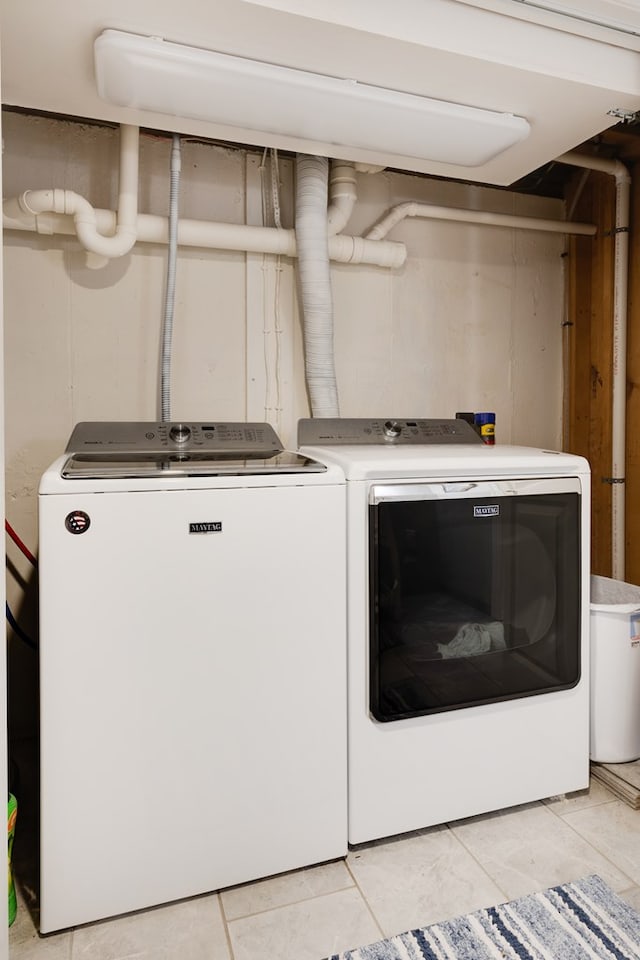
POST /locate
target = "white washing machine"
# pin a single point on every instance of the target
(468, 620)
(192, 665)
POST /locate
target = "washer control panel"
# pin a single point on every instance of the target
(134, 439)
(336, 432)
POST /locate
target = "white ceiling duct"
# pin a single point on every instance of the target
(518, 64)
(621, 16)
(573, 16)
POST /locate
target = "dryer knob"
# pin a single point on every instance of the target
(392, 429)
(180, 432)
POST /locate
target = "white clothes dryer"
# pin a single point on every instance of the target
(468, 620)
(193, 665)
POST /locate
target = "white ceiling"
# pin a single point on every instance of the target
(562, 82)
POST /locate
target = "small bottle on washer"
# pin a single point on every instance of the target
(486, 424)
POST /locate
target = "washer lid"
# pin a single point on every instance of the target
(108, 449)
(185, 465)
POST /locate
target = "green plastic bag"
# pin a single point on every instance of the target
(12, 814)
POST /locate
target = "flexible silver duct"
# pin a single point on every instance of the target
(315, 283)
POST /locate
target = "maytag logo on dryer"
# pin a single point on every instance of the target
(214, 526)
(486, 510)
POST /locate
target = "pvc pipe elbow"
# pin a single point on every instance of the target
(395, 215)
(116, 246)
(36, 201)
(615, 168)
(101, 248)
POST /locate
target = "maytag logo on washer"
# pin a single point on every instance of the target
(487, 510)
(213, 527)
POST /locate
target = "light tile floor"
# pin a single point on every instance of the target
(381, 888)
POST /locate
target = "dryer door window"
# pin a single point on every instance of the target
(474, 594)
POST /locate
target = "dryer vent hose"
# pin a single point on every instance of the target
(315, 283)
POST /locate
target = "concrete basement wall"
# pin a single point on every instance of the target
(472, 320)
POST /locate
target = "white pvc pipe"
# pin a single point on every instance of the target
(342, 195)
(128, 180)
(218, 236)
(66, 202)
(315, 284)
(615, 168)
(433, 212)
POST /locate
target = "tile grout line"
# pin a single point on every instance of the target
(291, 903)
(225, 924)
(600, 853)
(284, 906)
(366, 902)
(475, 858)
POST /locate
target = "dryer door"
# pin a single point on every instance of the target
(474, 593)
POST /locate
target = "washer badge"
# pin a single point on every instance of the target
(77, 521)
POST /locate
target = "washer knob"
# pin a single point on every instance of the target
(392, 429)
(180, 432)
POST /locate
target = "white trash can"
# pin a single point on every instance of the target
(615, 671)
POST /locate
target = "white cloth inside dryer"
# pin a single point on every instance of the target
(473, 639)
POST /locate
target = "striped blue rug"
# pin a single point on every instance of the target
(584, 920)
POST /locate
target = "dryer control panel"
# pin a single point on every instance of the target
(338, 431)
